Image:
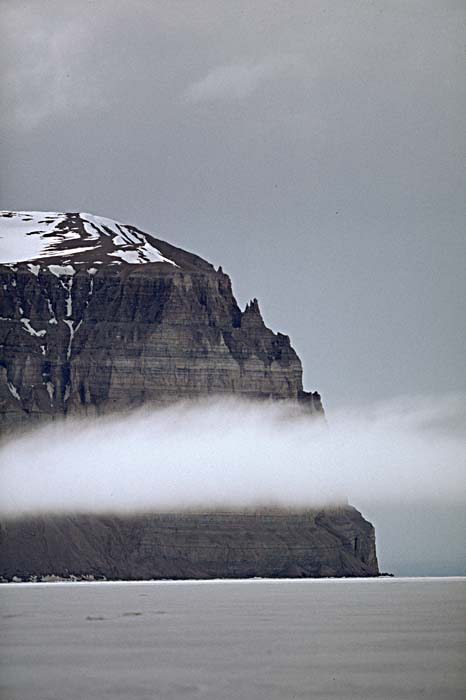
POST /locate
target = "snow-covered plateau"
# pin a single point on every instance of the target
(67, 239)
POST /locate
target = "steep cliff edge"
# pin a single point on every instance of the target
(98, 317)
(313, 543)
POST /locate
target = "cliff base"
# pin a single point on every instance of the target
(334, 542)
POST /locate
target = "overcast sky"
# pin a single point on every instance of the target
(316, 150)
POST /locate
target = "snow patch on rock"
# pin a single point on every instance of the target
(79, 237)
(32, 331)
(60, 270)
(34, 269)
(13, 391)
(50, 390)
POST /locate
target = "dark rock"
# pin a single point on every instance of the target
(334, 542)
(108, 337)
(85, 332)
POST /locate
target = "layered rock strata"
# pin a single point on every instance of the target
(313, 543)
(83, 333)
(98, 317)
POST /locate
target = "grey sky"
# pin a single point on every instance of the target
(314, 149)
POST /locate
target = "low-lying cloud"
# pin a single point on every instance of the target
(239, 454)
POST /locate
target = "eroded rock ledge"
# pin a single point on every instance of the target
(97, 342)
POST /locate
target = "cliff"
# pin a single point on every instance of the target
(101, 317)
(332, 542)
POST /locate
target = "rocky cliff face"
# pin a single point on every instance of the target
(97, 317)
(333, 542)
(100, 317)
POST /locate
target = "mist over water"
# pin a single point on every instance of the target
(231, 453)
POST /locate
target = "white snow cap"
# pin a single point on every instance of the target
(73, 238)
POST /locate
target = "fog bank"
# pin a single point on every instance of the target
(238, 454)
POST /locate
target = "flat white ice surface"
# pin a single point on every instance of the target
(267, 640)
